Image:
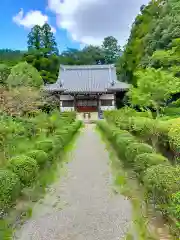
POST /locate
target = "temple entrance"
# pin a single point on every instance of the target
(86, 105)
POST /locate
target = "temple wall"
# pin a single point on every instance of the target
(67, 109)
(66, 97)
(107, 108)
(107, 96)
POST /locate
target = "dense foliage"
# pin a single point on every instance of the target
(154, 89)
(154, 36)
(4, 73)
(27, 146)
(162, 134)
(24, 74)
(160, 179)
(10, 57)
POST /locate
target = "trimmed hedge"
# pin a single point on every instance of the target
(174, 208)
(134, 149)
(45, 145)
(160, 179)
(122, 143)
(174, 138)
(161, 134)
(10, 188)
(39, 155)
(25, 167)
(33, 141)
(161, 182)
(146, 160)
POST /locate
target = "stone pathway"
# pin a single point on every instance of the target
(81, 205)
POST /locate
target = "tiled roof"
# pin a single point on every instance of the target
(87, 78)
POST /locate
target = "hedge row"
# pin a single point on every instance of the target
(160, 134)
(22, 168)
(160, 179)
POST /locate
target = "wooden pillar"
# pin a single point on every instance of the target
(60, 102)
(115, 101)
(98, 105)
(75, 102)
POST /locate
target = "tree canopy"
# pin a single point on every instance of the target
(154, 89)
(154, 29)
(24, 74)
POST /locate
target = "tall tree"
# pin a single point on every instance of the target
(43, 52)
(35, 38)
(142, 41)
(48, 40)
(111, 49)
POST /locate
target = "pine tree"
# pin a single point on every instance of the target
(35, 38)
(48, 40)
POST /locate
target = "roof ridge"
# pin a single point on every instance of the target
(98, 66)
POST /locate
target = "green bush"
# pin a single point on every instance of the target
(25, 167)
(45, 145)
(161, 182)
(174, 138)
(174, 208)
(172, 111)
(134, 149)
(10, 188)
(24, 74)
(39, 155)
(122, 143)
(146, 160)
(4, 73)
(64, 136)
(103, 126)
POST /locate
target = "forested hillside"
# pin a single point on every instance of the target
(10, 57)
(154, 39)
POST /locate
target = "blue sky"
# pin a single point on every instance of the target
(15, 36)
(74, 22)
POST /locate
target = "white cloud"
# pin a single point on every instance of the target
(31, 19)
(89, 21)
(53, 29)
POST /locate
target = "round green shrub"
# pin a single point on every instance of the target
(122, 143)
(39, 155)
(45, 145)
(135, 149)
(58, 145)
(119, 133)
(25, 167)
(174, 207)
(24, 74)
(174, 138)
(65, 134)
(161, 181)
(146, 160)
(10, 188)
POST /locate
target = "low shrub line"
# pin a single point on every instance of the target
(164, 135)
(23, 164)
(160, 179)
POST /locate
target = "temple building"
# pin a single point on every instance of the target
(87, 88)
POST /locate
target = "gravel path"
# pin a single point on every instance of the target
(81, 205)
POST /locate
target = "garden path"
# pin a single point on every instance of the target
(81, 205)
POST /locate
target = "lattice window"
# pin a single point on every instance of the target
(67, 103)
(107, 102)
